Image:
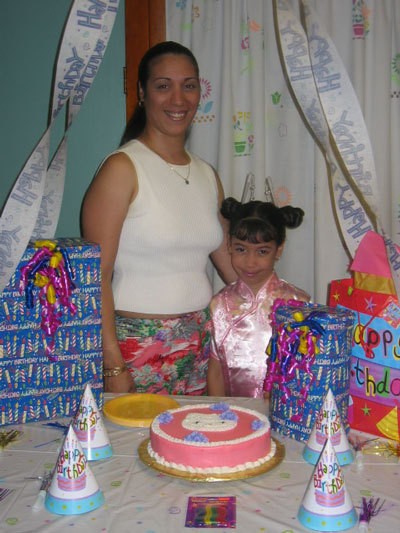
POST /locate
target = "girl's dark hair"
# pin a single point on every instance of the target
(137, 122)
(257, 221)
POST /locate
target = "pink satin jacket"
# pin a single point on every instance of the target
(241, 332)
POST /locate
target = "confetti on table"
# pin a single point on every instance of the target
(4, 493)
(8, 436)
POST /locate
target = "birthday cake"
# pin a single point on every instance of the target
(213, 438)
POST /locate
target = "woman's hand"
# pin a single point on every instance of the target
(104, 210)
(121, 383)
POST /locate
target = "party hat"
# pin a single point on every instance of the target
(327, 504)
(89, 428)
(73, 489)
(328, 424)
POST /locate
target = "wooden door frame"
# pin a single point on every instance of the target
(144, 27)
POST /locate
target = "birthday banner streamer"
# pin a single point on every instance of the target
(34, 204)
(330, 107)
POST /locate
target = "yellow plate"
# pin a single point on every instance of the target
(275, 460)
(137, 410)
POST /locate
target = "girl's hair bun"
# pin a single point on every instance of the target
(230, 207)
(292, 216)
(257, 221)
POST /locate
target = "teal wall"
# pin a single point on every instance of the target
(30, 33)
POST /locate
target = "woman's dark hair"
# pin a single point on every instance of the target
(137, 122)
(257, 221)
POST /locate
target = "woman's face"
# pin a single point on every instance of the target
(172, 95)
(254, 263)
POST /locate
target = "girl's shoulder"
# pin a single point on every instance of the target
(287, 291)
(224, 295)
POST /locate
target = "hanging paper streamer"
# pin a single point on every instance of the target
(79, 61)
(34, 204)
(330, 106)
(293, 40)
(346, 124)
(50, 271)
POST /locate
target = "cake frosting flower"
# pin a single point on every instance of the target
(165, 418)
(221, 406)
(195, 436)
(228, 415)
(257, 424)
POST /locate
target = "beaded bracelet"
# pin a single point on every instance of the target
(114, 372)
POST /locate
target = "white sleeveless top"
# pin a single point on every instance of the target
(170, 229)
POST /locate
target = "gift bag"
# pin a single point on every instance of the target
(50, 333)
(309, 354)
(375, 361)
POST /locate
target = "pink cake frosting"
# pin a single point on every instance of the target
(321, 437)
(68, 485)
(326, 499)
(211, 438)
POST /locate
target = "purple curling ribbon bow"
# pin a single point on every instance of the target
(292, 352)
(49, 270)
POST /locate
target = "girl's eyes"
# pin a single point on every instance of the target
(241, 250)
(238, 250)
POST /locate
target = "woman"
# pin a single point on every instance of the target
(154, 209)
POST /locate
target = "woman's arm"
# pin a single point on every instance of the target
(104, 210)
(221, 257)
(215, 379)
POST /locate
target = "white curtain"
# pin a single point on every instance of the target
(248, 121)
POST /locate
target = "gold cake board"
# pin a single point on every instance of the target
(244, 474)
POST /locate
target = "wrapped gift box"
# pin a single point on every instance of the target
(297, 395)
(42, 377)
(375, 362)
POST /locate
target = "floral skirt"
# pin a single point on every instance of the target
(167, 356)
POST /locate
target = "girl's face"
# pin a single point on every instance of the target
(254, 263)
(172, 95)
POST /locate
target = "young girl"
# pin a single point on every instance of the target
(240, 320)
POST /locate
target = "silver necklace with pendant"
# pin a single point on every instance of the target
(171, 167)
(184, 178)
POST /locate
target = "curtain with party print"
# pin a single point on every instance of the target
(250, 125)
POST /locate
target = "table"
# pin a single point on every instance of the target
(141, 500)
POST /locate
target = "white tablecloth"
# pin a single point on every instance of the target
(141, 500)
